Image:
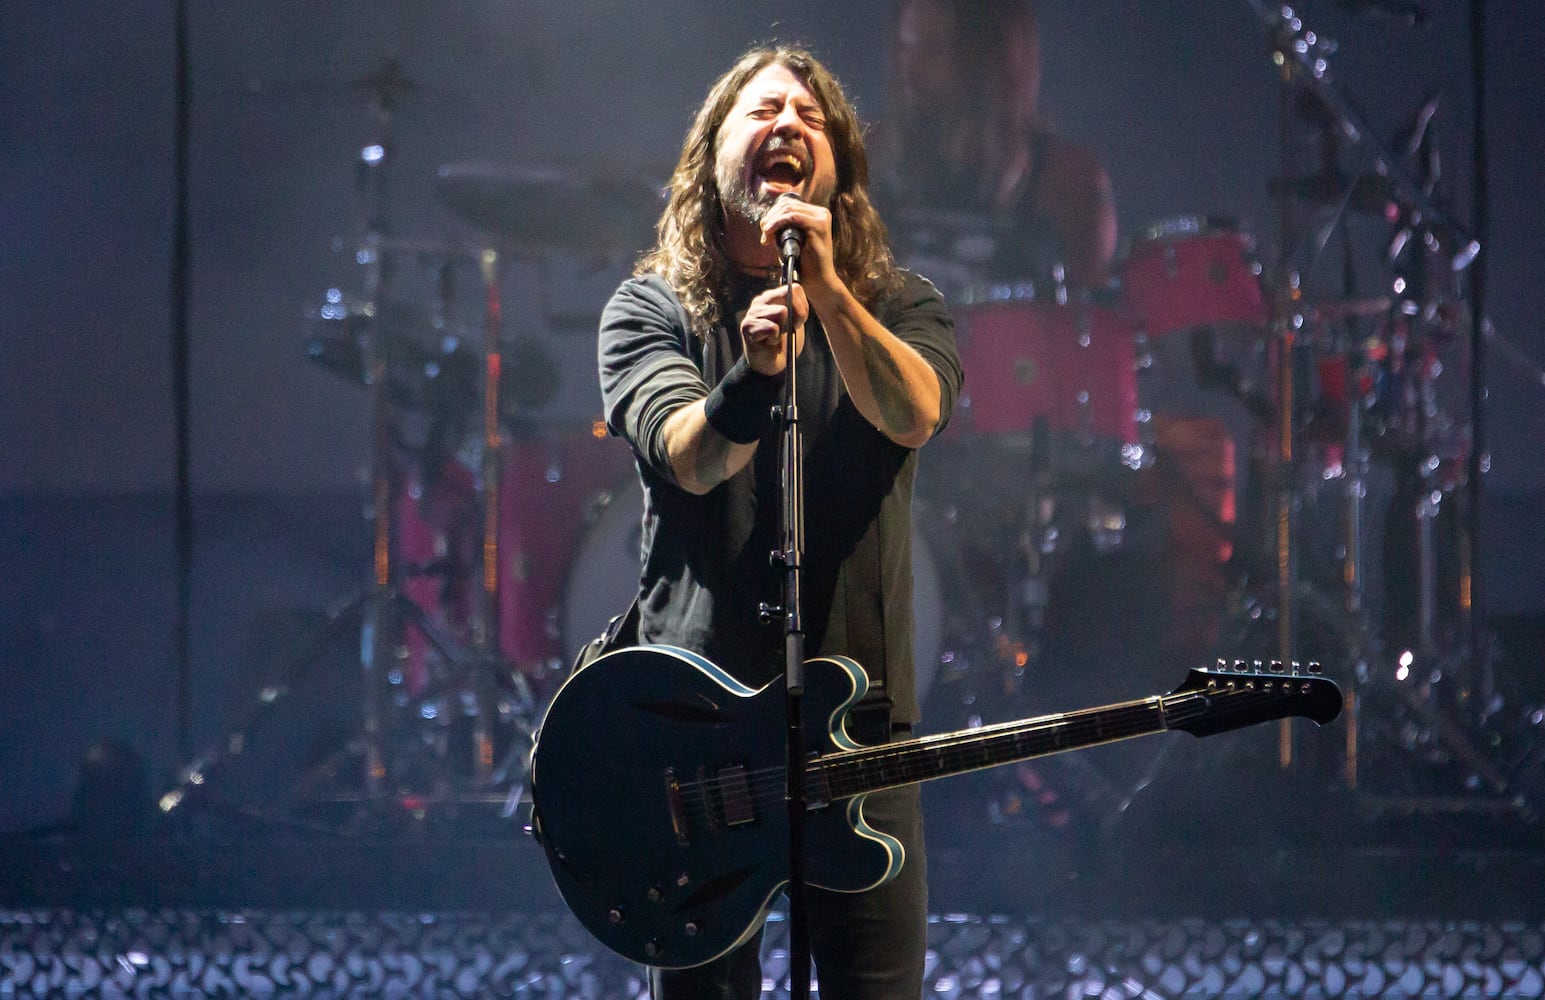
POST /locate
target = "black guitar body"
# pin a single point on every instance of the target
(659, 784)
(658, 781)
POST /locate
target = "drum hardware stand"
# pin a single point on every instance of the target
(1299, 55)
(383, 609)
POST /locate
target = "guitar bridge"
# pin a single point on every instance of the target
(674, 805)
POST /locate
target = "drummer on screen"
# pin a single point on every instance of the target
(979, 183)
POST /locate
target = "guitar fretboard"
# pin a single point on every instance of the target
(856, 772)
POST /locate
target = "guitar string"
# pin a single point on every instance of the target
(765, 785)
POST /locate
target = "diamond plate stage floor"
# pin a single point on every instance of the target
(479, 917)
(244, 953)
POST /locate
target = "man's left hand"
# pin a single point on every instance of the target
(817, 265)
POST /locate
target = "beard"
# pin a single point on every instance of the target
(735, 183)
(740, 200)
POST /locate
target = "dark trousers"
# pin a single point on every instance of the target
(866, 945)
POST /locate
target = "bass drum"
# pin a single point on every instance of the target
(603, 579)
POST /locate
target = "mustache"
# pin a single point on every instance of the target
(787, 144)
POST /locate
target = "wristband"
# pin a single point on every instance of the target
(740, 406)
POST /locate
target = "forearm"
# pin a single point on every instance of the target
(889, 382)
(700, 457)
(711, 439)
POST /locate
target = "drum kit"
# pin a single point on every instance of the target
(1284, 470)
(484, 480)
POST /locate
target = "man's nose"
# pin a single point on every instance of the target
(788, 120)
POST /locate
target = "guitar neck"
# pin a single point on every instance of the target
(868, 769)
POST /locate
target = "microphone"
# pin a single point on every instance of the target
(791, 239)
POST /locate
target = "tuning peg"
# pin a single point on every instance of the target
(1239, 666)
(1259, 668)
(1222, 664)
(1276, 666)
(1315, 668)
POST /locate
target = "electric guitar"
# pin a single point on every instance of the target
(658, 783)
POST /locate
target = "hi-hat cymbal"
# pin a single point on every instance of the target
(418, 376)
(434, 375)
(539, 209)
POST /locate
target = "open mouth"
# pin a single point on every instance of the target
(781, 169)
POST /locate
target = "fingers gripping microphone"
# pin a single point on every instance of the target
(791, 239)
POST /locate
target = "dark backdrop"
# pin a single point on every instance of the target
(1178, 96)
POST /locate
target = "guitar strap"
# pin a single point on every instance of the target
(620, 631)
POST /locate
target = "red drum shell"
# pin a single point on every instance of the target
(1072, 366)
(1193, 275)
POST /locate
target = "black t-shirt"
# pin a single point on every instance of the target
(706, 566)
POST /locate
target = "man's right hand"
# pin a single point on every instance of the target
(761, 332)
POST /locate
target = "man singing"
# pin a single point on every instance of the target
(691, 358)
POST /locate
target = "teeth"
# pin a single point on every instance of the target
(783, 160)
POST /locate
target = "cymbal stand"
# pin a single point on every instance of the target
(1300, 56)
(479, 666)
(1285, 322)
(371, 176)
(383, 610)
(485, 615)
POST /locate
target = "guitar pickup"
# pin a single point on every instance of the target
(735, 796)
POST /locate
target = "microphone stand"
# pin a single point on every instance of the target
(789, 555)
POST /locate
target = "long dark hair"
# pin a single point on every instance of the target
(690, 251)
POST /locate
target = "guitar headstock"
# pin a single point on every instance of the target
(1245, 693)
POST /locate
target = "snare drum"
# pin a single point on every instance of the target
(1192, 272)
(1029, 361)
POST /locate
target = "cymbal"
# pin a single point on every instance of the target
(431, 377)
(383, 87)
(541, 209)
(1334, 310)
(418, 376)
(1366, 193)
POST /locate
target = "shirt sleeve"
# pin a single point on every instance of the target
(916, 313)
(646, 371)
